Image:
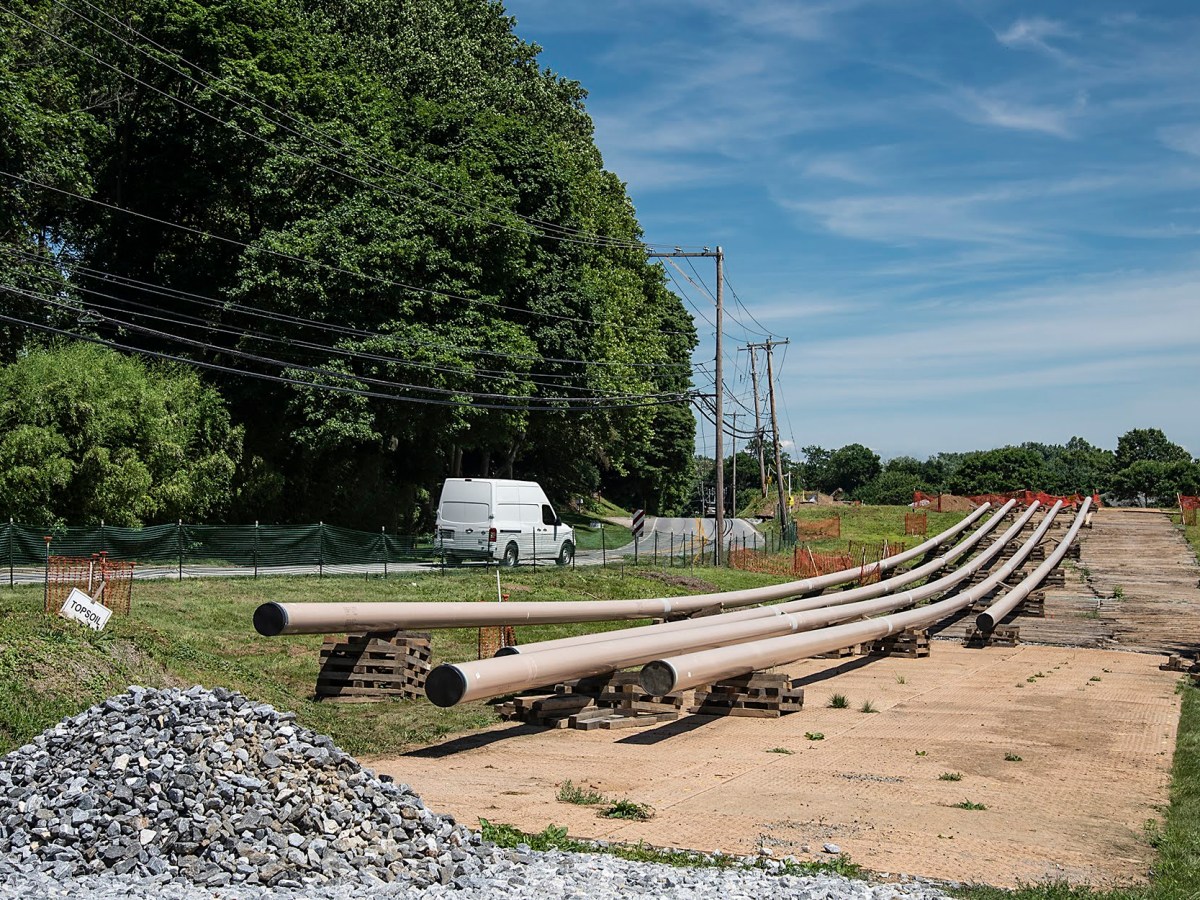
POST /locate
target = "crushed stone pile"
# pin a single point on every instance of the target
(212, 787)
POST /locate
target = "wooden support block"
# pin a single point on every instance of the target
(1007, 636)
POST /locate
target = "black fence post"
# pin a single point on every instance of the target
(656, 549)
(383, 540)
(11, 578)
(178, 541)
(603, 549)
(534, 560)
(256, 549)
(320, 549)
(46, 596)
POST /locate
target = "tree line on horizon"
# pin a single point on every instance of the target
(1145, 467)
(394, 199)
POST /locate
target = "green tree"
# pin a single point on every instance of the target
(87, 434)
(998, 471)
(849, 468)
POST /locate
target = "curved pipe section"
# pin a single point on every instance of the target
(689, 670)
(272, 619)
(450, 684)
(994, 614)
(791, 606)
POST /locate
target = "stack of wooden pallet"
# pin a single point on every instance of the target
(374, 666)
(908, 644)
(762, 695)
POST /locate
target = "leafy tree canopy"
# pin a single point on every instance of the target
(88, 435)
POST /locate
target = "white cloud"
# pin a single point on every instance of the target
(1184, 138)
(1032, 33)
(985, 109)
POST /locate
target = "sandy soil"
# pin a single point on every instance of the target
(1094, 728)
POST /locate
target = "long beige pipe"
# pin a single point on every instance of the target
(450, 684)
(791, 606)
(989, 618)
(662, 676)
(271, 619)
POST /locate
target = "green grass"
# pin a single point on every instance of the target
(1192, 533)
(814, 735)
(555, 837)
(838, 701)
(628, 809)
(783, 750)
(568, 792)
(598, 536)
(867, 707)
(967, 804)
(1011, 757)
(950, 776)
(872, 524)
(199, 632)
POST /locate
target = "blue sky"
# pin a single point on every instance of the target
(978, 222)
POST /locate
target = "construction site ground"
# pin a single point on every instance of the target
(1086, 709)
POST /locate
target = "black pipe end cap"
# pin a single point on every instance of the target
(985, 622)
(270, 619)
(507, 651)
(657, 678)
(445, 685)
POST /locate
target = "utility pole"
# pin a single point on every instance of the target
(775, 427)
(719, 376)
(752, 349)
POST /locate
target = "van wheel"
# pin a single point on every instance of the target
(510, 556)
(566, 554)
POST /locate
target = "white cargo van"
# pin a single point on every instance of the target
(500, 519)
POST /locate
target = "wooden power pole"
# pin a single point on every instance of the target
(752, 349)
(775, 427)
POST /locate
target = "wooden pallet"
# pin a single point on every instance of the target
(908, 644)
(611, 701)
(1034, 605)
(841, 653)
(763, 695)
(1004, 636)
(374, 666)
(1179, 663)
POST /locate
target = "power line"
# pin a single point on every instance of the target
(550, 404)
(309, 262)
(284, 318)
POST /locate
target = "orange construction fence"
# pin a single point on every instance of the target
(933, 501)
(1188, 507)
(107, 581)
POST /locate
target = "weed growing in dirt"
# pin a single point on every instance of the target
(867, 707)
(1011, 757)
(783, 750)
(967, 804)
(571, 793)
(627, 809)
(1118, 592)
(838, 701)
(814, 735)
(900, 679)
(922, 753)
(1095, 678)
(950, 776)
(1030, 679)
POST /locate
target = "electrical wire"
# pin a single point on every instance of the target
(549, 404)
(309, 262)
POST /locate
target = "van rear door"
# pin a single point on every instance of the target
(464, 516)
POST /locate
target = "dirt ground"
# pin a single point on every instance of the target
(1094, 729)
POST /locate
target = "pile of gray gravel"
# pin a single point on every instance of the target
(183, 795)
(218, 789)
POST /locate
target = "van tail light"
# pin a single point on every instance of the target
(491, 535)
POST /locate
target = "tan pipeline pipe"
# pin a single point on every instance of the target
(271, 619)
(662, 676)
(450, 684)
(791, 606)
(989, 618)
